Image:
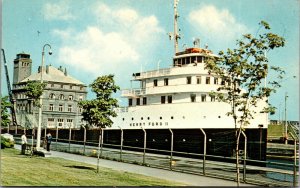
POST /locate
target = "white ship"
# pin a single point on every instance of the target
(178, 100)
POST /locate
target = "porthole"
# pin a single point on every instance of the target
(130, 124)
(132, 118)
(219, 116)
(160, 117)
(183, 140)
(142, 118)
(133, 124)
(148, 118)
(149, 123)
(153, 140)
(156, 123)
(172, 117)
(136, 140)
(160, 123)
(183, 117)
(166, 140)
(123, 119)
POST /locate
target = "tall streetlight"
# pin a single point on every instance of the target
(285, 121)
(38, 142)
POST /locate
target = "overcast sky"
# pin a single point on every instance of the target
(92, 37)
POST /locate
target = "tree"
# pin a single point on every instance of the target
(243, 70)
(5, 117)
(34, 89)
(97, 112)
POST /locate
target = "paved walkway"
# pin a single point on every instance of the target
(188, 179)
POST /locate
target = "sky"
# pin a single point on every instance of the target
(92, 38)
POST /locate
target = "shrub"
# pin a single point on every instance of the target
(6, 143)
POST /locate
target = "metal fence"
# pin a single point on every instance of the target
(90, 143)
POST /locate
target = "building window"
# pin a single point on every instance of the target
(155, 82)
(129, 102)
(163, 99)
(70, 97)
(60, 122)
(223, 82)
(51, 107)
(203, 98)
(193, 97)
(71, 87)
(52, 96)
(144, 100)
(61, 86)
(170, 99)
(188, 80)
(81, 88)
(166, 81)
(60, 108)
(52, 85)
(69, 122)
(61, 97)
(207, 80)
(69, 108)
(138, 101)
(216, 81)
(198, 79)
(80, 98)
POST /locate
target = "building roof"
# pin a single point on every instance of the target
(52, 74)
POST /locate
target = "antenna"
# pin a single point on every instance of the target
(176, 34)
(196, 42)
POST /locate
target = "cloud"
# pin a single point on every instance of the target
(119, 41)
(218, 24)
(58, 11)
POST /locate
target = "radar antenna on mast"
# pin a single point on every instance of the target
(176, 34)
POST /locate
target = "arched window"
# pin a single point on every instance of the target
(61, 97)
(52, 96)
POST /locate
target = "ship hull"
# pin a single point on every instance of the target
(190, 142)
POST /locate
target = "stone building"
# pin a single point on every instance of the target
(60, 97)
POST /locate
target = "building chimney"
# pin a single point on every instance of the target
(66, 74)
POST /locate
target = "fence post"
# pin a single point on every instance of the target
(245, 156)
(204, 150)
(121, 147)
(102, 137)
(84, 139)
(70, 138)
(171, 155)
(295, 162)
(145, 141)
(99, 144)
(56, 138)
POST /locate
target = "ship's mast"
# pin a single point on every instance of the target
(176, 34)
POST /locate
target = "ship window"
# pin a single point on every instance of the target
(156, 123)
(138, 101)
(219, 116)
(155, 82)
(160, 123)
(183, 61)
(142, 118)
(160, 117)
(144, 100)
(212, 98)
(207, 80)
(166, 140)
(199, 59)
(179, 61)
(193, 97)
(132, 118)
(166, 81)
(198, 79)
(149, 123)
(170, 99)
(172, 117)
(123, 119)
(188, 80)
(187, 60)
(148, 118)
(129, 102)
(203, 98)
(166, 123)
(153, 124)
(216, 81)
(175, 62)
(163, 99)
(130, 124)
(193, 58)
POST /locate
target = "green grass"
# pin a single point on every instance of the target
(21, 170)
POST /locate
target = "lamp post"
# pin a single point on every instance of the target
(38, 141)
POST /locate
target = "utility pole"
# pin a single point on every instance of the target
(285, 122)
